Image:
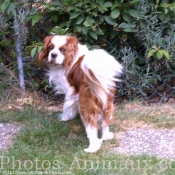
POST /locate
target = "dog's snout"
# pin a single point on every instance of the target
(54, 55)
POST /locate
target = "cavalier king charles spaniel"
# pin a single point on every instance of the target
(88, 80)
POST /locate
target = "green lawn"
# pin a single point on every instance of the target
(45, 145)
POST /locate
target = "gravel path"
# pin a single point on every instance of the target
(7, 131)
(153, 142)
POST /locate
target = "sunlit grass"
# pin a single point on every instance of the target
(136, 114)
(45, 144)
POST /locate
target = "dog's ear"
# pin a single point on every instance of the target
(45, 51)
(71, 50)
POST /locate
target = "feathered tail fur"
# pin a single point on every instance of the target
(101, 70)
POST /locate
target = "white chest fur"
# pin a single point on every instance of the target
(58, 79)
(61, 85)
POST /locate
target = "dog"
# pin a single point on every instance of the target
(88, 80)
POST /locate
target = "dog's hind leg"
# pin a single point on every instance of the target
(107, 119)
(94, 141)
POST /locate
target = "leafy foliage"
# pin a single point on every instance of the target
(149, 70)
(156, 29)
(160, 53)
(91, 20)
(139, 33)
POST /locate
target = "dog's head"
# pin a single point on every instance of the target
(59, 50)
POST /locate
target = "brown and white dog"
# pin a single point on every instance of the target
(87, 78)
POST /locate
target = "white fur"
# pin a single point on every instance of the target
(61, 85)
(104, 67)
(82, 50)
(106, 134)
(94, 141)
(92, 134)
(58, 41)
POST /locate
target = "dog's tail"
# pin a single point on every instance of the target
(101, 71)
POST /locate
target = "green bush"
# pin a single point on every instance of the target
(89, 20)
(139, 33)
(156, 30)
(149, 67)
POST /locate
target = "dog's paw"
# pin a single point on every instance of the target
(108, 136)
(94, 147)
(61, 117)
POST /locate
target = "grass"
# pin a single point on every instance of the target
(45, 145)
(135, 114)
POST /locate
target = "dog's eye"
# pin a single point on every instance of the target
(62, 50)
(50, 47)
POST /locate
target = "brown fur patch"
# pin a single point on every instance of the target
(109, 109)
(45, 51)
(76, 75)
(70, 51)
(91, 107)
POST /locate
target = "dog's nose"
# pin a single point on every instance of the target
(53, 55)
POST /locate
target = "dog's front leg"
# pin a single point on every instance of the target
(70, 109)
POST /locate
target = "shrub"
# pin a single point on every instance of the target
(150, 71)
(89, 20)
(138, 33)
